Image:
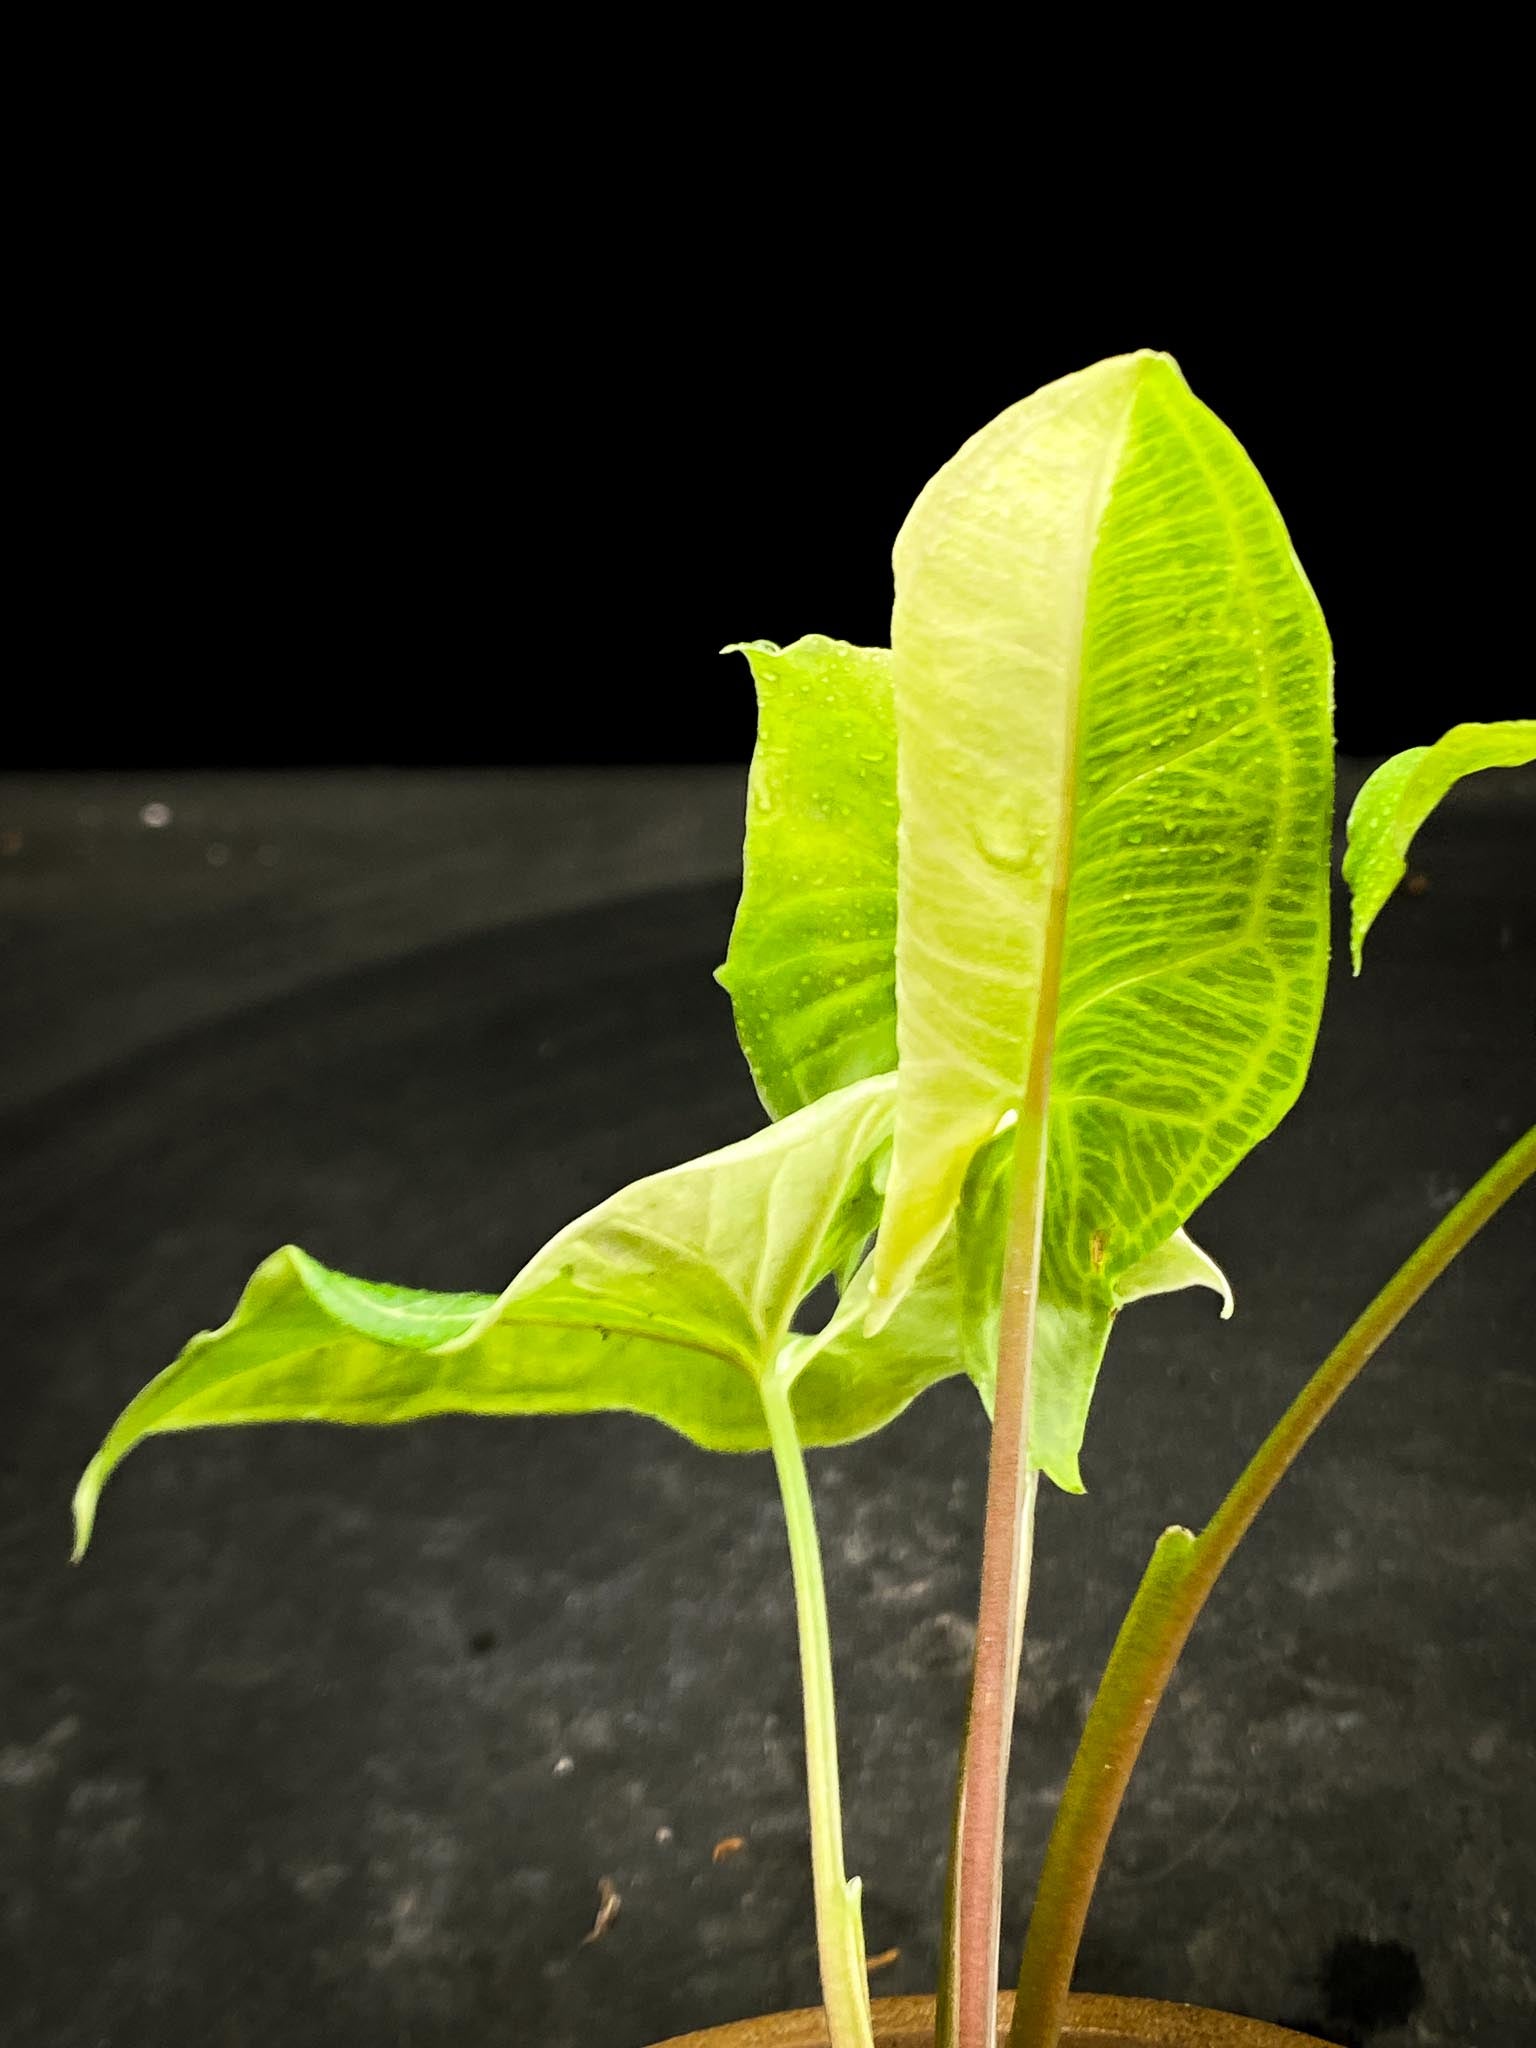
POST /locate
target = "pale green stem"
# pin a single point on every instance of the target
(839, 1925)
(1178, 1581)
(968, 1965)
(973, 1907)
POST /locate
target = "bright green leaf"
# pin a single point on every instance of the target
(1168, 1268)
(401, 1316)
(1400, 795)
(1071, 1329)
(811, 967)
(1112, 692)
(947, 1323)
(672, 1299)
(847, 1383)
(1070, 1342)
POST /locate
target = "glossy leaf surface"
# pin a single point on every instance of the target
(1112, 695)
(811, 969)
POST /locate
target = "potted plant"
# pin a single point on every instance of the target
(1030, 953)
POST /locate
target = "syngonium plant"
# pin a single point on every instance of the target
(1030, 952)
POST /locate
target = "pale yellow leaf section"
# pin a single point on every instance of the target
(992, 572)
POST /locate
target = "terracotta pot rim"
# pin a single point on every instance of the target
(1093, 2021)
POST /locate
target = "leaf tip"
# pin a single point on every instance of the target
(1064, 1472)
(1161, 360)
(83, 1508)
(880, 1310)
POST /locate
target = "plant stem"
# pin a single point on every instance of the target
(967, 2013)
(839, 1925)
(1177, 1584)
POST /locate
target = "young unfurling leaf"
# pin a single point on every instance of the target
(1399, 796)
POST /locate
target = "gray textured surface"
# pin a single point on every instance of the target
(118, 934)
(333, 1737)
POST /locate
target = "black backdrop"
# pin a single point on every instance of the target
(362, 469)
(356, 471)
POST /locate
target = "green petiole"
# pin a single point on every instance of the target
(1178, 1581)
(839, 1924)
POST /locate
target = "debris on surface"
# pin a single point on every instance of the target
(1417, 884)
(728, 1845)
(663, 1834)
(564, 1765)
(883, 1961)
(608, 1904)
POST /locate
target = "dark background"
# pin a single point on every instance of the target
(450, 419)
(332, 1737)
(382, 451)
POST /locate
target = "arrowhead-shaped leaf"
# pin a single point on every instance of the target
(1400, 795)
(811, 969)
(673, 1299)
(1112, 691)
